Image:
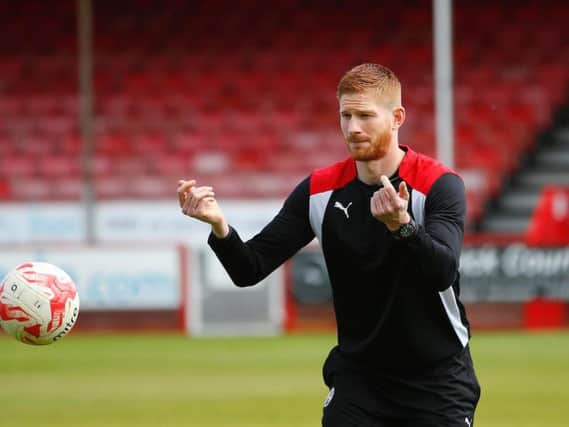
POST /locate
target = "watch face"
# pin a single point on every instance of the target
(407, 230)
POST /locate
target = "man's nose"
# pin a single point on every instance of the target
(354, 126)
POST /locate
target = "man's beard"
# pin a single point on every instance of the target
(376, 149)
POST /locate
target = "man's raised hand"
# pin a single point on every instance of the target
(199, 202)
(390, 206)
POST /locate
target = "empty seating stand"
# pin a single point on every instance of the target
(244, 97)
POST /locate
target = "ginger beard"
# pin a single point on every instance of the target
(374, 148)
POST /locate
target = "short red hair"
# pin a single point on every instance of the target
(371, 76)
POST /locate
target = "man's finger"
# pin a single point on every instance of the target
(183, 187)
(198, 194)
(200, 191)
(380, 204)
(403, 192)
(190, 196)
(181, 198)
(374, 204)
(187, 204)
(386, 201)
(385, 181)
(388, 186)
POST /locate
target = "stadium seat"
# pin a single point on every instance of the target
(5, 193)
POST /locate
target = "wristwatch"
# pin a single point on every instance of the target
(406, 231)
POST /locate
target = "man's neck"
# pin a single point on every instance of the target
(370, 171)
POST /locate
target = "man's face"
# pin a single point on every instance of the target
(367, 124)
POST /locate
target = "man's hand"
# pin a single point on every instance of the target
(200, 203)
(390, 207)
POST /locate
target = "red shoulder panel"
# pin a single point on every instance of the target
(421, 171)
(333, 176)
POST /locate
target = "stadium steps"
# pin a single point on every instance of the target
(549, 165)
(506, 223)
(523, 201)
(538, 178)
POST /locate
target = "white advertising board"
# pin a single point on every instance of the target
(131, 220)
(123, 221)
(41, 222)
(108, 278)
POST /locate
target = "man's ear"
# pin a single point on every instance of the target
(398, 117)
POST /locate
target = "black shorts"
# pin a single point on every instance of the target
(444, 396)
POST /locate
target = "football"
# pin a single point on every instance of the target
(39, 303)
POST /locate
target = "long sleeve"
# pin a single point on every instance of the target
(439, 242)
(249, 262)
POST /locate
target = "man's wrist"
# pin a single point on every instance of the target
(221, 230)
(394, 227)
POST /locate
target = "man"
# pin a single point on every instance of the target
(390, 223)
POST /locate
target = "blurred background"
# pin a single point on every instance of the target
(104, 105)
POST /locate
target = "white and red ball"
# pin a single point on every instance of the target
(39, 303)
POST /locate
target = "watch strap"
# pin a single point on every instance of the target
(406, 231)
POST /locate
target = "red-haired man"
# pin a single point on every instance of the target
(390, 222)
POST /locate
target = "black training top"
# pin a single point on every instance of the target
(396, 302)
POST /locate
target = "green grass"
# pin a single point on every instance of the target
(255, 382)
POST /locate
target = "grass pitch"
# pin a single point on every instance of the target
(149, 380)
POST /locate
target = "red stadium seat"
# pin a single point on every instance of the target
(5, 193)
(67, 188)
(18, 166)
(30, 188)
(56, 166)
